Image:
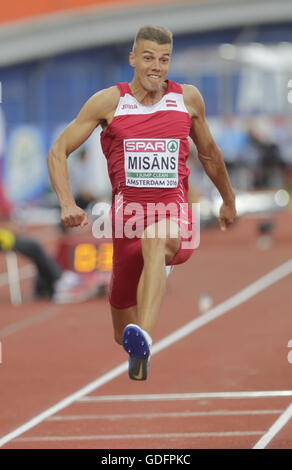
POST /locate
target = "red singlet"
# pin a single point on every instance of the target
(146, 149)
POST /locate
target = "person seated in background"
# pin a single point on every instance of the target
(48, 271)
(51, 281)
(232, 140)
(270, 166)
(80, 172)
(5, 207)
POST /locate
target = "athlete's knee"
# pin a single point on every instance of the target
(153, 244)
(157, 242)
(155, 237)
(171, 248)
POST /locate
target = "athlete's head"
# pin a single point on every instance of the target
(150, 56)
(156, 34)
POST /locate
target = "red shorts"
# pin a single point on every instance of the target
(128, 263)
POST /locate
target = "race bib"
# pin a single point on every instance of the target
(151, 163)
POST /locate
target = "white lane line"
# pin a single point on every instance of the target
(186, 396)
(110, 437)
(33, 320)
(242, 296)
(112, 374)
(274, 429)
(13, 278)
(182, 414)
(234, 301)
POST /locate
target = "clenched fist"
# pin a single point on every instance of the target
(227, 215)
(73, 216)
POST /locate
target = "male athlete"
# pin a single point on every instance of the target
(146, 124)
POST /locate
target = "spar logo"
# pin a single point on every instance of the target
(172, 146)
(136, 145)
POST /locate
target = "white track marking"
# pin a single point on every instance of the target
(110, 437)
(234, 301)
(186, 396)
(65, 402)
(25, 272)
(274, 429)
(182, 414)
(13, 278)
(242, 296)
(33, 320)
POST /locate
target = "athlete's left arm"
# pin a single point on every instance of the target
(209, 154)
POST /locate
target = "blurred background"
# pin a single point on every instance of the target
(55, 55)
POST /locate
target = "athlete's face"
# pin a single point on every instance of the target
(151, 63)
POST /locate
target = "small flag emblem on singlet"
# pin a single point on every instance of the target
(171, 103)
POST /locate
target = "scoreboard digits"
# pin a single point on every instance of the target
(88, 257)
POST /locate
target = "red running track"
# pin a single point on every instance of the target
(51, 351)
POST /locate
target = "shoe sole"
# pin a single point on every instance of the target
(138, 368)
(135, 344)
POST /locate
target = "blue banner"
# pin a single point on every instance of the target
(25, 169)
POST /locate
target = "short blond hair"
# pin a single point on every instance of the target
(156, 34)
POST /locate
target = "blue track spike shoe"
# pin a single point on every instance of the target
(137, 343)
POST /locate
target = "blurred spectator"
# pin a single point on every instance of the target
(257, 153)
(51, 282)
(268, 163)
(48, 271)
(232, 140)
(282, 134)
(5, 208)
(80, 179)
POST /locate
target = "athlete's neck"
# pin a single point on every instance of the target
(147, 97)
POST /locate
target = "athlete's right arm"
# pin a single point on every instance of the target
(97, 109)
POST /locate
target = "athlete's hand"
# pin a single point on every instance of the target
(227, 215)
(73, 216)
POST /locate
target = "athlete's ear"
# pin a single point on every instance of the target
(132, 59)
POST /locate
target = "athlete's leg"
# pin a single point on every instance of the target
(126, 271)
(149, 288)
(157, 251)
(121, 317)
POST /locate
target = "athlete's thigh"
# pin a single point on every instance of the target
(127, 268)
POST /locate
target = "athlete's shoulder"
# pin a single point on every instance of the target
(107, 97)
(100, 104)
(191, 92)
(187, 90)
(193, 98)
